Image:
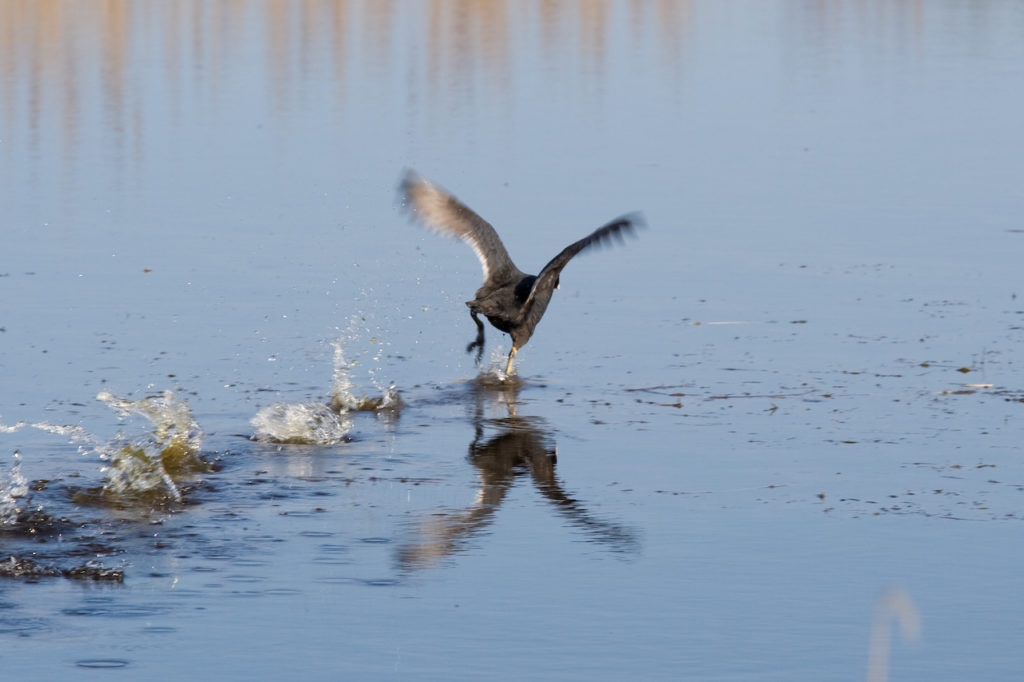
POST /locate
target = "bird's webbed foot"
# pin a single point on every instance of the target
(479, 342)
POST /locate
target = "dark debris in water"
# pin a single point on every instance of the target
(16, 567)
(491, 381)
(34, 522)
(95, 572)
(103, 663)
(93, 549)
(390, 403)
(141, 502)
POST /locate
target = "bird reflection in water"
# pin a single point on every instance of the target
(521, 446)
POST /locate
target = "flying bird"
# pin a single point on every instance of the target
(510, 299)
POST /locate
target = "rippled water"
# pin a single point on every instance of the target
(239, 435)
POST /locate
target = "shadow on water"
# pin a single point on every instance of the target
(504, 451)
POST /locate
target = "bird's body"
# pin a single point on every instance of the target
(511, 300)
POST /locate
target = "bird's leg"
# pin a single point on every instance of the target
(511, 355)
(479, 343)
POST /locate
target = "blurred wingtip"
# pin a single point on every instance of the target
(627, 223)
(409, 183)
(409, 177)
(636, 220)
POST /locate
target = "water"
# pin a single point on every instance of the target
(791, 405)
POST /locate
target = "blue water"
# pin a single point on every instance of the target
(797, 390)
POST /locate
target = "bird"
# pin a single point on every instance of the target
(511, 300)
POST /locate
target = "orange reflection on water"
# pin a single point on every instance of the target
(68, 65)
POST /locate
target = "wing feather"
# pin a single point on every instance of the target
(613, 231)
(442, 212)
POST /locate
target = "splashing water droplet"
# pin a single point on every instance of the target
(149, 468)
(326, 424)
(300, 423)
(12, 492)
(493, 373)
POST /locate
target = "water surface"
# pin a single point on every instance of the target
(795, 392)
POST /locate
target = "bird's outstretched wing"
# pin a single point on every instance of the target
(548, 277)
(440, 211)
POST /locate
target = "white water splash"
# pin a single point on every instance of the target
(312, 423)
(143, 467)
(300, 423)
(12, 492)
(171, 416)
(493, 373)
(133, 472)
(149, 466)
(73, 432)
(343, 397)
